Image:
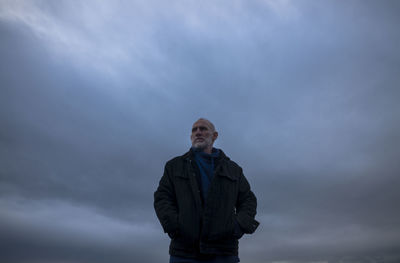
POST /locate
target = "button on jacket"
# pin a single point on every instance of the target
(198, 228)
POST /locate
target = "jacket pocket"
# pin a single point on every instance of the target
(173, 235)
(224, 231)
(237, 230)
(185, 232)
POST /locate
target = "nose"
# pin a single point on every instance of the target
(196, 132)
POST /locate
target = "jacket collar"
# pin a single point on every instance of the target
(189, 157)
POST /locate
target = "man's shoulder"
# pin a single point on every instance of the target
(234, 169)
(178, 159)
(174, 160)
(229, 162)
(234, 164)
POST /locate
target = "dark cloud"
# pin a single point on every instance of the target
(304, 95)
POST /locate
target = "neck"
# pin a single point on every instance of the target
(205, 150)
(208, 150)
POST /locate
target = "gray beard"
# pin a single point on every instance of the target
(202, 146)
(199, 146)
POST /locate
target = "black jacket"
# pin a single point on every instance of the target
(210, 228)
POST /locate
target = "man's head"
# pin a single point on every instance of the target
(203, 135)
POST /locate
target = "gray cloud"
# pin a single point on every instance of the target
(96, 97)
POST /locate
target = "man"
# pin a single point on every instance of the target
(204, 202)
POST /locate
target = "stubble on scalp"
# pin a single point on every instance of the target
(210, 124)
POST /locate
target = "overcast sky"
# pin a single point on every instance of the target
(95, 97)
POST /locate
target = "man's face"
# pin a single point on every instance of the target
(202, 135)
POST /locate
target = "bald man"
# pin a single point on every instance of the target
(204, 202)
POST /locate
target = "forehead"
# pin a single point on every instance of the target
(201, 123)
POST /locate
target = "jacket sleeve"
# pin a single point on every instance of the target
(165, 203)
(246, 207)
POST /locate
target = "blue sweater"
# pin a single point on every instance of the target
(206, 164)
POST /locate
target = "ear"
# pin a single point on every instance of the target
(215, 136)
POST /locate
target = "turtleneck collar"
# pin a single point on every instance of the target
(214, 153)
